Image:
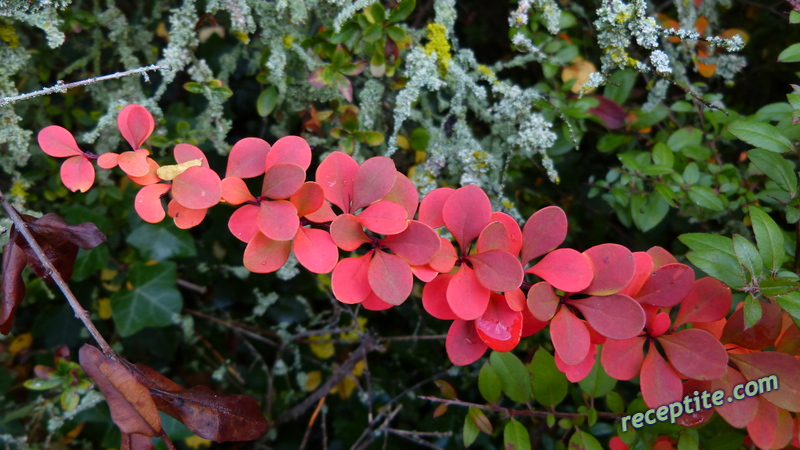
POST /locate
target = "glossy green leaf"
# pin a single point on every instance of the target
(614, 402)
(470, 431)
(152, 302)
(162, 241)
(621, 90)
(704, 196)
(790, 54)
(687, 441)
(666, 193)
(549, 385)
(769, 238)
(267, 101)
(512, 373)
(402, 11)
(648, 211)
(582, 440)
(719, 265)
(489, 383)
(748, 255)
(194, 88)
(373, 33)
(772, 287)
(38, 384)
(761, 134)
(396, 33)
(684, 137)
(777, 168)
(691, 173)
(752, 311)
(790, 303)
(597, 383)
(662, 155)
(515, 436)
(707, 241)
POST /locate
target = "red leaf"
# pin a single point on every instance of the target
(264, 255)
(335, 174)
(660, 257)
(417, 244)
(278, 220)
(384, 217)
(235, 191)
(579, 371)
(738, 413)
(185, 218)
(659, 325)
(373, 180)
(786, 370)
(466, 213)
(350, 279)
(463, 344)
(497, 270)
(643, 264)
(374, 303)
(197, 188)
(622, 360)
(667, 286)
(58, 142)
(613, 267)
(466, 296)
(347, 232)
(108, 160)
(308, 199)
(615, 316)
(12, 286)
(531, 325)
(324, 214)
(543, 301)
(424, 272)
(134, 163)
(187, 152)
(698, 416)
(612, 115)
(514, 232)
(695, 353)
(148, 202)
(151, 177)
(444, 260)
(405, 194)
(243, 223)
(77, 174)
(758, 337)
(390, 278)
(430, 209)
(789, 342)
(570, 337)
(499, 327)
(247, 158)
(282, 181)
(771, 428)
(434, 298)
(315, 79)
(315, 250)
(545, 230)
(289, 149)
(708, 301)
(516, 299)
(660, 384)
(135, 123)
(565, 269)
(494, 237)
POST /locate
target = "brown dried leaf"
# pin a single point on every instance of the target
(132, 408)
(12, 286)
(136, 442)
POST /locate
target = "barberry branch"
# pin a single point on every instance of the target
(514, 412)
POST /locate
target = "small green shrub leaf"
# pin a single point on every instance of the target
(704, 196)
(748, 255)
(515, 436)
(489, 383)
(790, 54)
(769, 238)
(752, 311)
(512, 373)
(761, 134)
(549, 384)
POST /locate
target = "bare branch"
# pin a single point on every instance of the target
(514, 412)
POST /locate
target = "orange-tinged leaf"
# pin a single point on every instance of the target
(247, 158)
(660, 257)
(542, 301)
(264, 255)
(545, 230)
(772, 427)
(463, 344)
(135, 123)
(731, 32)
(197, 188)
(761, 335)
(623, 359)
(444, 260)
(151, 177)
(289, 149)
(282, 180)
(278, 220)
(134, 163)
(667, 286)
(660, 384)
(384, 217)
(417, 244)
(324, 214)
(434, 298)
(786, 370)
(579, 70)
(336, 174)
(578, 371)
(615, 316)
(467, 297)
(430, 209)
(132, 409)
(108, 160)
(516, 299)
(350, 279)
(243, 223)
(564, 269)
(347, 232)
(390, 278)
(315, 250)
(308, 199)
(235, 191)
(58, 142)
(148, 202)
(514, 231)
(77, 174)
(708, 301)
(613, 267)
(570, 337)
(497, 270)
(186, 152)
(373, 181)
(695, 354)
(643, 268)
(738, 413)
(185, 218)
(466, 213)
(499, 327)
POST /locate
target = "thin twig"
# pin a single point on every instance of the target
(691, 92)
(80, 313)
(514, 412)
(311, 423)
(413, 338)
(414, 436)
(62, 87)
(369, 435)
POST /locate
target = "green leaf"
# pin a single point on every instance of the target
(515, 436)
(267, 101)
(162, 241)
(346, 33)
(666, 193)
(719, 265)
(373, 33)
(662, 155)
(551, 420)
(691, 173)
(396, 33)
(687, 442)
(625, 79)
(683, 137)
(90, 261)
(774, 166)
(696, 152)
(470, 431)
(790, 303)
(682, 106)
(549, 385)
(512, 373)
(608, 142)
(480, 420)
(648, 211)
(772, 287)
(489, 383)
(378, 13)
(707, 241)
(221, 91)
(614, 402)
(152, 302)
(592, 417)
(704, 196)
(769, 238)
(402, 10)
(790, 54)
(373, 138)
(629, 162)
(38, 384)
(194, 88)
(760, 135)
(597, 383)
(582, 440)
(752, 311)
(748, 255)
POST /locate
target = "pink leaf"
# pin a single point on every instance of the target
(148, 202)
(772, 427)
(466, 213)
(667, 286)
(740, 412)
(434, 298)
(463, 344)
(708, 301)
(660, 384)
(660, 257)
(514, 232)
(659, 325)
(58, 142)
(347, 232)
(444, 260)
(243, 223)
(185, 218)
(497, 270)
(516, 299)
(499, 327)
(282, 180)
(785, 369)
(350, 279)
(336, 174)
(430, 209)
(570, 337)
(77, 174)
(151, 177)
(613, 266)
(344, 86)
(695, 353)
(308, 199)
(247, 158)
(264, 255)
(531, 325)
(578, 371)
(622, 360)
(542, 301)
(545, 230)
(494, 237)
(466, 296)
(374, 303)
(315, 79)
(278, 220)
(235, 191)
(384, 217)
(324, 214)
(405, 194)
(134, 163)
(615, 316)
(390, 278)
(374, 179)
(417, 244)
(197, 188)
(289, 149)
(108, 160)
(315, 250)
(565, 269)
(643, 264)
(135, 123)
(187, 152)
(424, 272)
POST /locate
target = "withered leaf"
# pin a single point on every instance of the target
(136, 442)
(132, 408)
(151, 379)
(12, 286)
(219, 418)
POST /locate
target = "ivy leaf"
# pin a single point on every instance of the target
(512, 373)
(769, 238)
(161, 242)
(515, 436)
(152, 302)
(549, 385)
(760, 135)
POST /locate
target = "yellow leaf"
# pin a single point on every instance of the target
(104, 308)
(402, 142)
(579, 70)
(108, 274)
(168, 173)
(69, 437)
(196, 442)
(358, 369)
(313, 380)
(324, 348)
(20, 344)
(345, 387)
